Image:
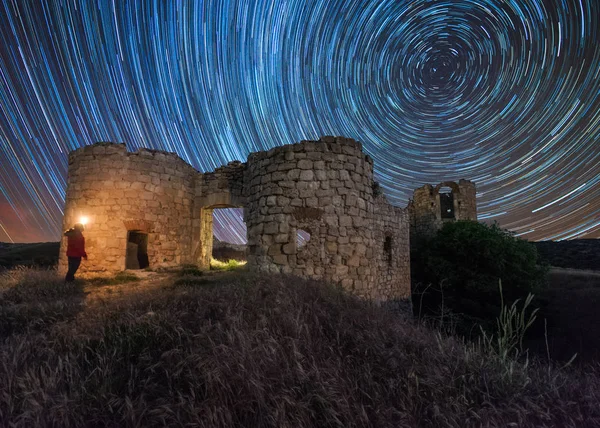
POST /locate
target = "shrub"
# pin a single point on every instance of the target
(459, 268)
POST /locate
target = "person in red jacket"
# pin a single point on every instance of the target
(75, 250)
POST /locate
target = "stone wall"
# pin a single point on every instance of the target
(425, 208)
(322, 187)
(222, 188)
(147, 191)
(391, 254)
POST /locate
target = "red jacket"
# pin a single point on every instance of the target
(75, 244)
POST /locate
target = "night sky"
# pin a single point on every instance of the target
(504, 93)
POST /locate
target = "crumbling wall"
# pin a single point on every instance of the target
(222, 188)
(426, 208)
(391, 250)
(149, 191)
(324, 188)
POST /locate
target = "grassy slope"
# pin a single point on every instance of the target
(238, 350)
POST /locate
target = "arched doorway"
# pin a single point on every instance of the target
(447, 203)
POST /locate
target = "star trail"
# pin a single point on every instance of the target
(504, 93)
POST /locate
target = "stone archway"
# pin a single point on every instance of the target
(446, 196)
(451, 184)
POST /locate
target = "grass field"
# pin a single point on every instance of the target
(234, 349)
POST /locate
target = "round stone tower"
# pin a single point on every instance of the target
(325, 189)
(138, 207)
(321, 188)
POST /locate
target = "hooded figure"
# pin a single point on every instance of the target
(75, 250)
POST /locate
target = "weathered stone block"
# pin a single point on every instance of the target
(305, 164)
(271, 228)
(307, 175)
(289, 248)
(293, 174)
(345, 221)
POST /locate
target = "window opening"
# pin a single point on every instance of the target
(302, 238)
(447, 203)
(387, 249)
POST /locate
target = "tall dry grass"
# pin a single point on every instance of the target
(272, 351)
(33, 300)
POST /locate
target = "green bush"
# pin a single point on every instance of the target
(458, 270)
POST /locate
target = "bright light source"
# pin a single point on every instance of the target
(83, 220)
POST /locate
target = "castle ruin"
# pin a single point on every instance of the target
(152, 209)
(432, 206)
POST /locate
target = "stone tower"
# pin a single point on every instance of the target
(432, 206)
(150, 208)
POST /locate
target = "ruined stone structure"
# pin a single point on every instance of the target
(448, 201)
(154, 207)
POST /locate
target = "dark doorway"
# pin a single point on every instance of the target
(447, 202)
(137, 250)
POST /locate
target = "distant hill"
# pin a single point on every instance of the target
(43, 254)
(575, 254)
(225, 251)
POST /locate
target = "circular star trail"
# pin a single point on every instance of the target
(504, 93)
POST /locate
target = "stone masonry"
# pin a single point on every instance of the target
(430, 208)
(324, 188)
